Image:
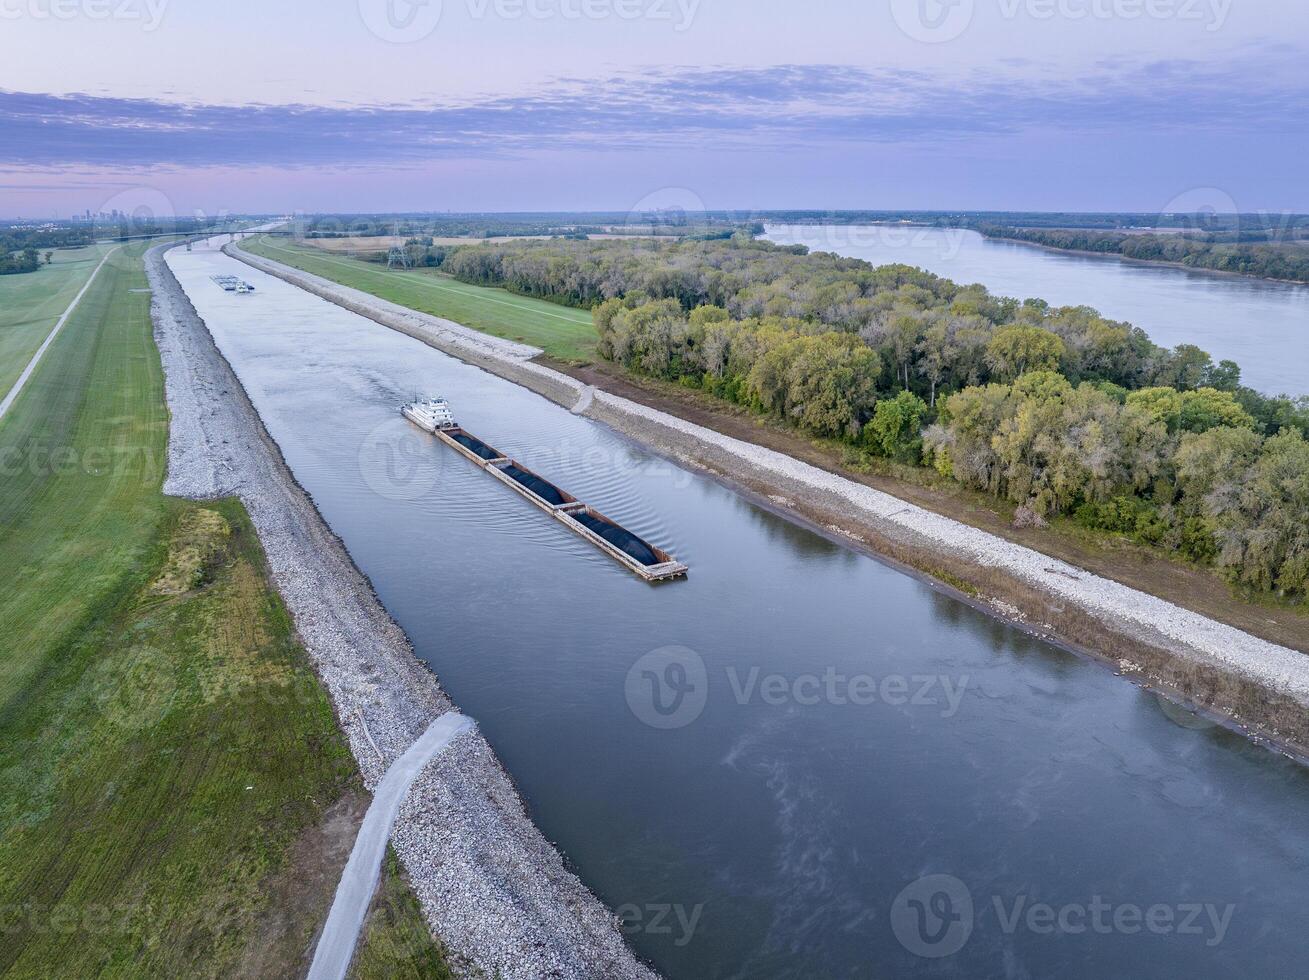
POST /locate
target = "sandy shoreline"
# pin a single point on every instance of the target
(494, 890)
(1254, 685)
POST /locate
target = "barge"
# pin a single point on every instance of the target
(649, 562)
(232, 284)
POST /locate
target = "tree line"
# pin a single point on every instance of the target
(1251, 254)
(1059, 410)
(26, 260)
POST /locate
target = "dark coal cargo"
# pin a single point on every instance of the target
(474, 445)
(544, 489)
(619, 538)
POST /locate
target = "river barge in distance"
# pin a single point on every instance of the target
(232, 284)
(651, 563)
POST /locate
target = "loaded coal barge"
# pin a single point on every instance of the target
(639, 556)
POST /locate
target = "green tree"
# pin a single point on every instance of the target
(1191, 411)
(1260, 512)
(1211, 467)
(1208, 408)
(1016, 350)
(1185, 367)
(1161, 403)
(896, 428)
(831, 384)
(1042, 443)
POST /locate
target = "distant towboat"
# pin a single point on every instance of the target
(233, 284)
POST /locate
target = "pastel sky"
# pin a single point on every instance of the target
(388, 105)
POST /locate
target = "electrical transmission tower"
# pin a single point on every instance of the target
(398, 257)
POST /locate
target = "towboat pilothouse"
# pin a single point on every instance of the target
(431, 415)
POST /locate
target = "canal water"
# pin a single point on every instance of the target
(1262, 325)
(798, 762)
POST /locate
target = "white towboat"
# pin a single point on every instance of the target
(232, 284)
(433, 414)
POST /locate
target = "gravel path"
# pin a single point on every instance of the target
(354, 893)
(494, 890)
(1170, 629)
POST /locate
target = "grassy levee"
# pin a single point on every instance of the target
(562, 332)
(32, 302)
(165, 749)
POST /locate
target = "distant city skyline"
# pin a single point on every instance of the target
(383, 105)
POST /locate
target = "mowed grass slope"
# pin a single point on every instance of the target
(165, 748)
(32, 302)
(562, 332)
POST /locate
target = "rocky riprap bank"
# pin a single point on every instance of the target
(495, 891)
(1245, 681)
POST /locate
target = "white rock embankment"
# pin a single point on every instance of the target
(493, 889)
(1174, 631)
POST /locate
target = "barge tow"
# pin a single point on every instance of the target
(649, 562)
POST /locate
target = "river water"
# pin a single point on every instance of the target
(868, 776)
(1262, 325)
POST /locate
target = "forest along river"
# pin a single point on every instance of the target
(854, 734)
(1262, 325)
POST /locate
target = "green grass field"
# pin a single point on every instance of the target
(396, 943)
(165, 748)
(31, 303)
(563, 333)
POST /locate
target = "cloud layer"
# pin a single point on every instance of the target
(761, 108)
